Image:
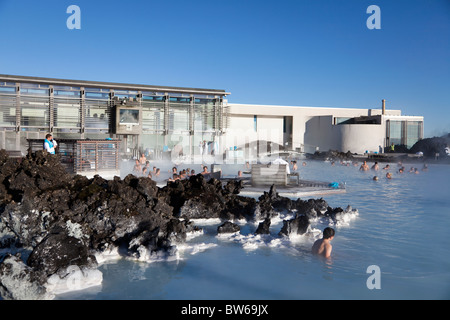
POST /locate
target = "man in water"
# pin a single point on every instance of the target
(364, 166)
(322, 246)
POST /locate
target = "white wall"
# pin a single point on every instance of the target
(311, 127)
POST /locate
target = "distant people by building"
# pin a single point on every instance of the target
(50, 144)
(392, 148)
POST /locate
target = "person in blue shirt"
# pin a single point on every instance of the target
(50, 144)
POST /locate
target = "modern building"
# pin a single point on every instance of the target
(310, 129)
(150, 118)
(163, 121)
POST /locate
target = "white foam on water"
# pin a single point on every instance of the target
(73, 278)
(194, 234)
(107, 255)
(193, 249)
(206, 222)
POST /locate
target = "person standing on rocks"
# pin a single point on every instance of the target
(322, 246)
(50, 144)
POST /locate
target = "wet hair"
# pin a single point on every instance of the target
(328, 233)
(48, 135)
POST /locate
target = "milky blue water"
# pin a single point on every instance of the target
(402, 228)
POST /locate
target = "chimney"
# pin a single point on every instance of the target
(383, 107)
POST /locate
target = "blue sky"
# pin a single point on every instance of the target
(304, 52)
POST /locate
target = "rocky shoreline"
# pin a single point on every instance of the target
(53, 224)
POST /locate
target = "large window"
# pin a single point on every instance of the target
(34, 107)
(97, 110)
(66, 109)
(405, 132)
(204, 114)
(179, 114)
(395, 132)
(7, 105)
(413, 132)
(152, 113)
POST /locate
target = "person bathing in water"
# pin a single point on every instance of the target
(322, 247)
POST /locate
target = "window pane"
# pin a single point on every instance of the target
(395, 130)
(34, 112)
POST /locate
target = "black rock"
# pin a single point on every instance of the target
(263, 227)
(297, 226)
(228, 227)
(57, 251)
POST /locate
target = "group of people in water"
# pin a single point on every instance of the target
(401, 169)
(142, 168)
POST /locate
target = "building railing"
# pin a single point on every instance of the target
(85, 156)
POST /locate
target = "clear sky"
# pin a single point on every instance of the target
(301, 53)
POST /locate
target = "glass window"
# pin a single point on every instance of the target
(97, 115)
(413, 132)
(66, 93)
(7, 90)
(395, 132)
(66, 113)
(153, 116)
(7, 110)
(204, 115)
(34, 92)
(34, 112)
(97, 95)
(178, 117)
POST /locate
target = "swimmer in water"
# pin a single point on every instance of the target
(322, 247)
(364, 166)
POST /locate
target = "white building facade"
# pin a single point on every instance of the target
(310, 129)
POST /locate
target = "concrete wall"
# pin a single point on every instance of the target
(357, 138)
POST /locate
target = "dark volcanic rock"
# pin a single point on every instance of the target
(312, 208)
(431, 146)
(228, 227)
(270, 203)
(263, 227)
(197, 198)
(299, 225)
(57, 251)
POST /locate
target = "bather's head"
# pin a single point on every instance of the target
(328, 233)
